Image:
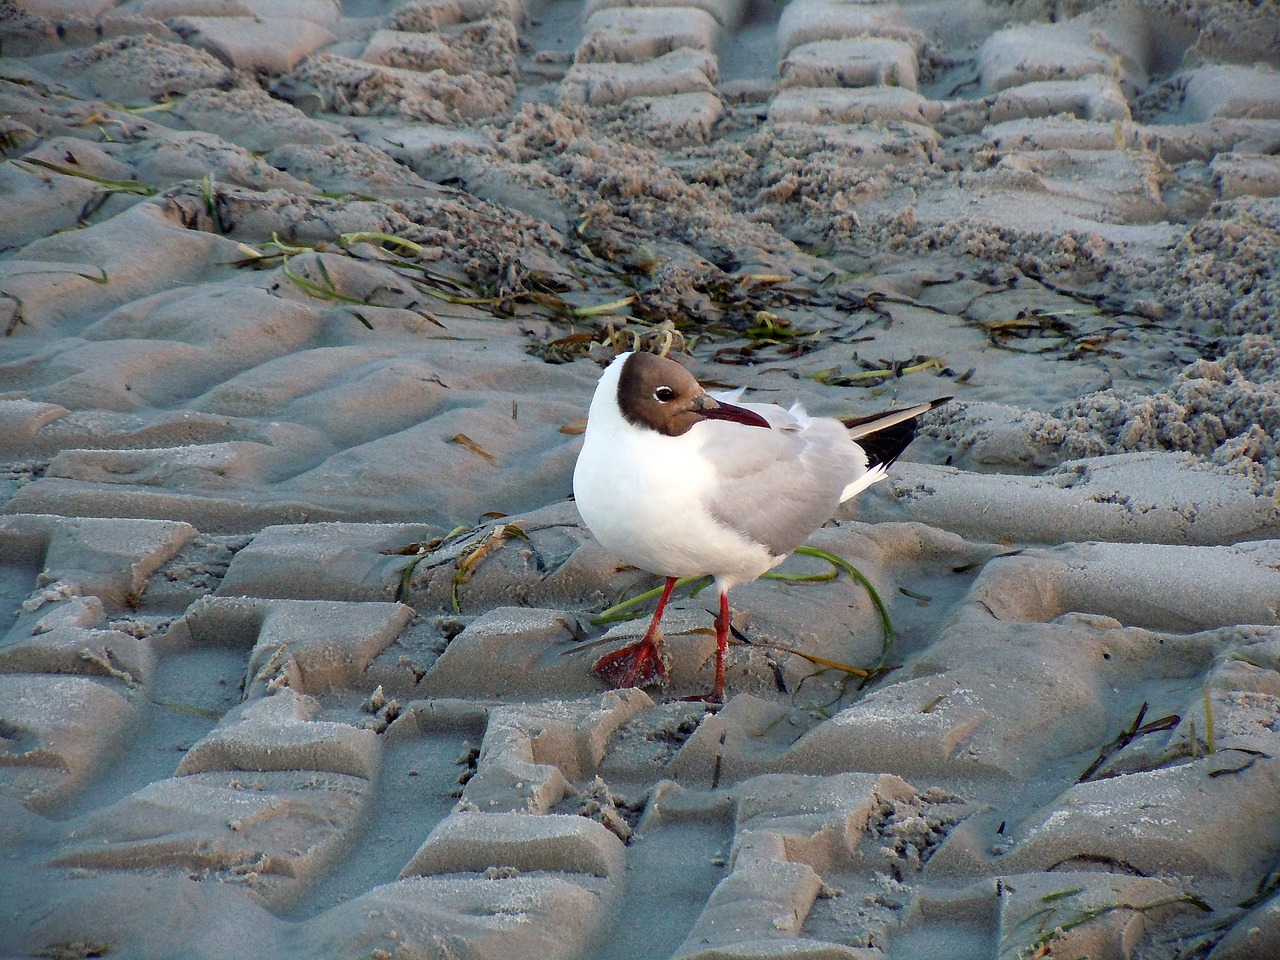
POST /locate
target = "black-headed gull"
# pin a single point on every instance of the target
(681, 483)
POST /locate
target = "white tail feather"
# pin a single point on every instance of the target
(865, 480)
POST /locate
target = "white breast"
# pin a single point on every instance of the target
(643, 496)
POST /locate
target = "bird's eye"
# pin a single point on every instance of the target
(664, 394)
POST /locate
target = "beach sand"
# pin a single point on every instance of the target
(302, 305)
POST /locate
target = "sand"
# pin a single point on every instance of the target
(302, 304)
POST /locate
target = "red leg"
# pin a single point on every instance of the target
(722, 647)
(639, 663)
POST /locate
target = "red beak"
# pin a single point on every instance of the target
(717, 410)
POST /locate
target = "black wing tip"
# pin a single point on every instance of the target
(885, 446)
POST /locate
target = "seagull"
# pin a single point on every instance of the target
(682, 483)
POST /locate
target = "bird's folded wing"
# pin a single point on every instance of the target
(860, 427)
(778, 486)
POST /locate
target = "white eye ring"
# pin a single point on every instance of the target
(664, 394)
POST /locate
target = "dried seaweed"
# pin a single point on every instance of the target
(1135, 730)
(104, 183)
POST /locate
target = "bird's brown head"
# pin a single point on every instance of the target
(658, 393)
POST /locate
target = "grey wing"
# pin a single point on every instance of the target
(778, 486)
